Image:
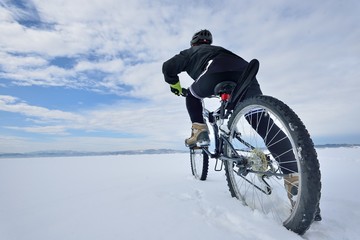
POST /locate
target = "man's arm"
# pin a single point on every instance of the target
(175, 65)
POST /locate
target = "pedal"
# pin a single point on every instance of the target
(195, 148)
(203, 140)
(199, 145)
(202, 144)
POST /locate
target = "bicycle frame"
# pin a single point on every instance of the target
(228, 103)
(221, 132)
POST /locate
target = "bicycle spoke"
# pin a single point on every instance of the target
(270, 177)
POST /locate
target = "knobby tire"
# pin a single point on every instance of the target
(244, 184)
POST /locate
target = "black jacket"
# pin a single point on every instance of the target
(192, 60)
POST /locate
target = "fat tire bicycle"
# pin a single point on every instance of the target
(254, 174)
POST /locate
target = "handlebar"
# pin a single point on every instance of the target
(185, 92)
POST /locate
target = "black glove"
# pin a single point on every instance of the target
(176, 88)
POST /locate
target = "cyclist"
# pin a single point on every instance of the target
(209, 65)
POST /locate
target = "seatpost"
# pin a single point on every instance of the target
(224, 99)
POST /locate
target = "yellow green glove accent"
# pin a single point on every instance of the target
(176, 88)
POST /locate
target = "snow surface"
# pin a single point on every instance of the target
(156, 197)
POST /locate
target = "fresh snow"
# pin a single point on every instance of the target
(156, 197)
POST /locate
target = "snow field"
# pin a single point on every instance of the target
(156, 197)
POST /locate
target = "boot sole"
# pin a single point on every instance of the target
(202, 141)
(198, 144)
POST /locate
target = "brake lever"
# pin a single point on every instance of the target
(184, 92)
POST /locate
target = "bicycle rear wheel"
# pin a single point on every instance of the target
(199, 161)
(276, 146)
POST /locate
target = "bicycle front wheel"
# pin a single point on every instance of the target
(281, 176)
(199, 161)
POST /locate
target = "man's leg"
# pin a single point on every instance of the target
(200, 132)
(275, 139)
(195, 108)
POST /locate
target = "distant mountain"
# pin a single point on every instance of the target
(336, 145)
(125, 152)
(78, 154)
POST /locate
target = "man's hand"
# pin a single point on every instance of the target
(176, 88)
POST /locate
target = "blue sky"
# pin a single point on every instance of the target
(86, 75)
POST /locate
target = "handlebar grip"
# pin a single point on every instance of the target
(185, 92)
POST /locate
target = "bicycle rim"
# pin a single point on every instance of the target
(199, 161)
(266, 192)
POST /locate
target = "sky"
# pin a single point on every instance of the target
(86, 75)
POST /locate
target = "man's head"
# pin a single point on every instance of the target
(201, 37)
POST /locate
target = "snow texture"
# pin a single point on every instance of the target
(156, 197)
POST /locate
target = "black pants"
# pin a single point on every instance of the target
(222, 68)
(275, 140)
(230, 68)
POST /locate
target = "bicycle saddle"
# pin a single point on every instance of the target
(224, 87)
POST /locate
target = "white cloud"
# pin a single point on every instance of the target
(15, 105)
(122, 118)
(53, 130)
(309, 53)
(13, 62)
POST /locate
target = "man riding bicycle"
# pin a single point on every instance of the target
(209, 65)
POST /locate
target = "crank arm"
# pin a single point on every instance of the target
(268, 173)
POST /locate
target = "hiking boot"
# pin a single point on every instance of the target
(291, 183)
(199, 136)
